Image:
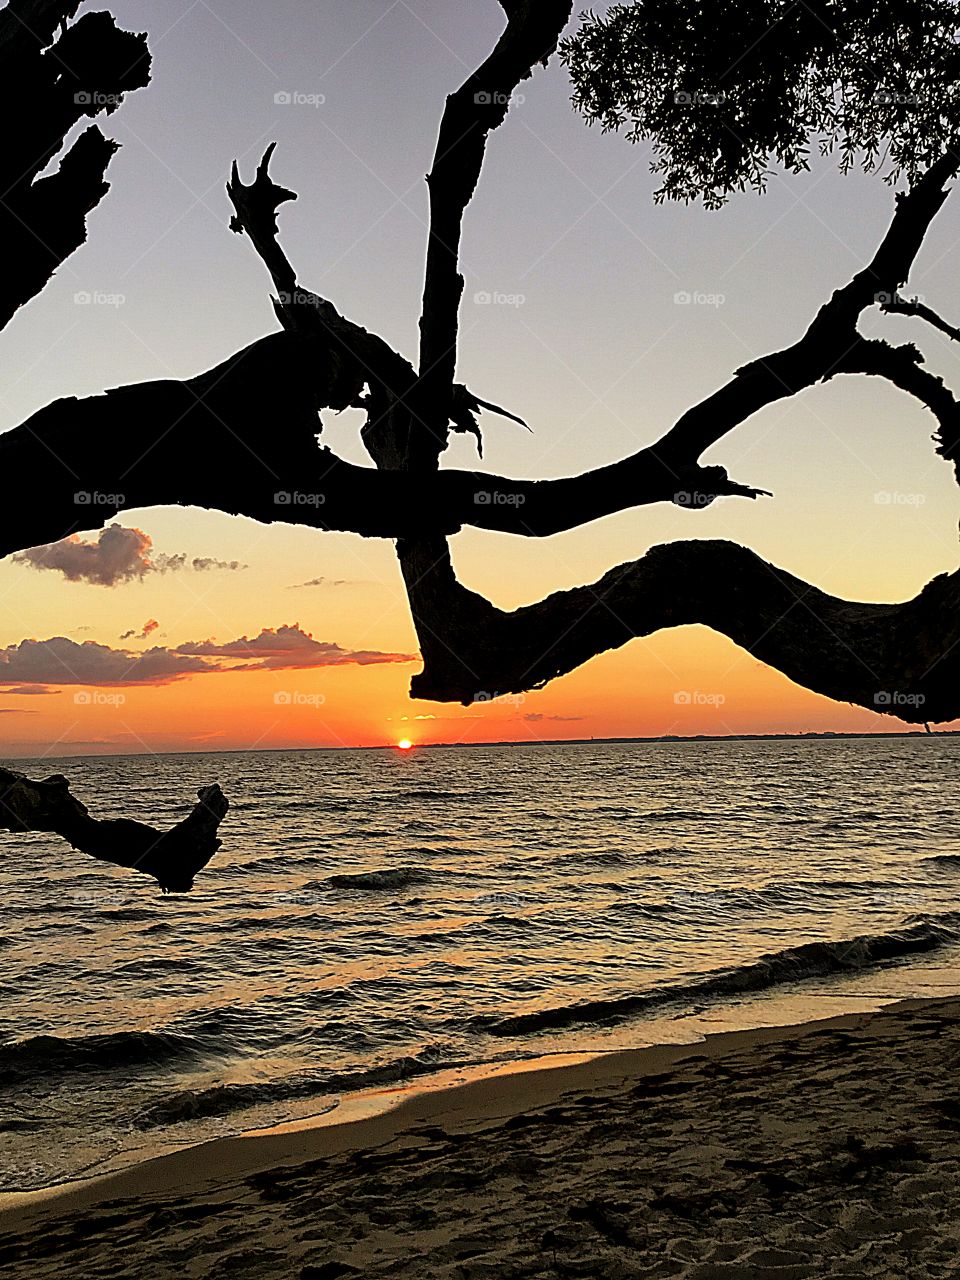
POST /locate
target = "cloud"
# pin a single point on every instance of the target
(535, 717)
(321, 582)
(149, 627)
(28, 691)
(117, 555)
(60, 661)
(287, 648)
(204, 563)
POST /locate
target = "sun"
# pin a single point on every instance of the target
(404, 744)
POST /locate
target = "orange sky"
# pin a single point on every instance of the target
(689, 681)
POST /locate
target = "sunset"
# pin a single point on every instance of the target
(479, 639)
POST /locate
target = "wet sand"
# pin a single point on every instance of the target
(827, 1150)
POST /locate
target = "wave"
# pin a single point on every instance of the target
(220, 1100)
(793, 964)
(390, 878)
(127, 913)
(943, 859)
(48, 1055)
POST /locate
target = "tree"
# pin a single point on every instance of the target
(779, 96)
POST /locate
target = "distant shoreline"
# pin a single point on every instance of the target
(825, 736)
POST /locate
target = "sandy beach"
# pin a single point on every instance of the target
(826, 1150)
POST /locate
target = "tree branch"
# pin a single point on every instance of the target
(241, 439)
(80, 73)
(899, 659)
(172, 857)
(829, 338)
(896, 305)
(477, 107)
(903, 366)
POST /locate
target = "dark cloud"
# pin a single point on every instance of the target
(59, 661)
(117, 555)
(288, 647)
(28, 691)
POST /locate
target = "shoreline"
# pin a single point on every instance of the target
(674, 1031)
(383, 1127)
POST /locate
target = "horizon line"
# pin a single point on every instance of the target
(803, 735)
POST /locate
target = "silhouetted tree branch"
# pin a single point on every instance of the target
(479, 106)
(54, 75)
(833, 331)
(912, 307)
(172, 857)
(902, 659)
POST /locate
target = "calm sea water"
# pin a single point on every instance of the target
(500, 903)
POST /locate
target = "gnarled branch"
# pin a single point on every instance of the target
(58, 80)
(831, 335)
(241, 439)
(172, 857)
(477, 107)
(900, 659)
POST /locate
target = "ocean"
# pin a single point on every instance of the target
(377, 916)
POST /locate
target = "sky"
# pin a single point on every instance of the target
(217, 633)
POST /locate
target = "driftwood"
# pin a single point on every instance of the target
(172, 857)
